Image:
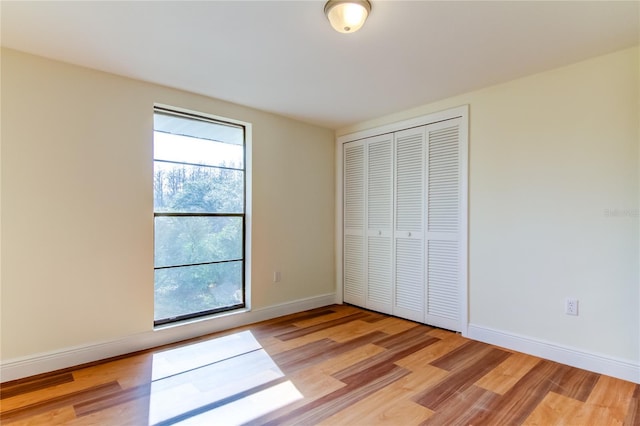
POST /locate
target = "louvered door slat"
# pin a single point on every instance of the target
(379, 180)
(409, 180)
(354, 186)
(409, 279)
(443, 180)
(442, 276)
(353, 269)
(379, 274)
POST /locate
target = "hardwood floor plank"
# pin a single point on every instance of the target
(402, 412)
(319, 319)
(475, 365)
(322, 326)
(135, 371)
(361, 327)
(401, 349)
(354, 329)
(330, 404)
(59, 416)
(279, 326)
(21, 387)
(90, 406)
(442, 333)
(132, 413)
(415, 332)
(609, 401)
(520, 401)
(392, 325)
(319, 314)
(58, 402)
(345, 360)
(286, 324)
(461, 407)
(506, 375)
(368, 374)
(392, 404)
(375, 317)
(288, 359)
(417, 360)
(577, 384)
(463, 355)
(347, 331)
(43, 395)
(287, 320)
(633, 412)
(314, 352)
(275, 346)
(606, 405)
(314, 384)
(557, 410)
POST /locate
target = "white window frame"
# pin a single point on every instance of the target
(248, 216)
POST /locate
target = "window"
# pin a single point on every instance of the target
(199, 215)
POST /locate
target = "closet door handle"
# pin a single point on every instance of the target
(409, 234)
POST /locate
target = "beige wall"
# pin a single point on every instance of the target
(77, 222)
(549, 155)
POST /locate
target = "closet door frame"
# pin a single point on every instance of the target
(461, 112)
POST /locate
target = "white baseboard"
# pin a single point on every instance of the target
(602, 364)
(45, 362)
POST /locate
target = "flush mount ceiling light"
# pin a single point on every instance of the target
(347, 16)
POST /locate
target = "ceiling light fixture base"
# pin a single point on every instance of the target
(347, 16)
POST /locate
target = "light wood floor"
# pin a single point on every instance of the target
(337, 365)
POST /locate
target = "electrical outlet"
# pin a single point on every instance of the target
(276, 276)
(571, 306)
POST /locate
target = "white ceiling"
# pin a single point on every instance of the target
(283, 57)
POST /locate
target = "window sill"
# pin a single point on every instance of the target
(203, 319)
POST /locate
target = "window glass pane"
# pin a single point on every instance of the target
(188, 240)
(212, 130)
(187, 149)
(199, 202)
(180, 188)
(193, 289)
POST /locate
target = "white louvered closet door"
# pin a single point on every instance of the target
(379, 222)
(409, 283)
(354, 223)
(444, 225)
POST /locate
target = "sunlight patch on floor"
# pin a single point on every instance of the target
(231, 379)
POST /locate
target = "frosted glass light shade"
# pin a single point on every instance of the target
(347, 16)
